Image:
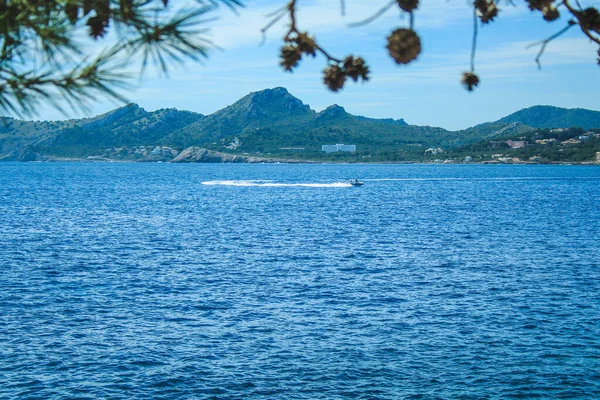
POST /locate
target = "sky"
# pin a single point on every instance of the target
(425, 92)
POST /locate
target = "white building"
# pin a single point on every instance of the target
(332, 148)
(157, 150)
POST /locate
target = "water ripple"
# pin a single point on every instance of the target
(258, 281)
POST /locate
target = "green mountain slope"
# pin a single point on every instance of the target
(125, 126)
(554, 117)
(16, 135)
(257, 110)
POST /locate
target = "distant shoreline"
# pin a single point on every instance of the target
(292, 162)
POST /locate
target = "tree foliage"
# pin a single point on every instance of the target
(43, 60)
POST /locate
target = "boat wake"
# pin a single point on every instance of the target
(263, 183)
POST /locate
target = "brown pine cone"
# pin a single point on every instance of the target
(404, 45)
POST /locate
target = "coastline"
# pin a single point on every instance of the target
(287, 161)
(196, 154)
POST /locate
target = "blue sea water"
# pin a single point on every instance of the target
(165, 281)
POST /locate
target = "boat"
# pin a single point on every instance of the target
(356, 182)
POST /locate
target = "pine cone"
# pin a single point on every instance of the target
(98, 26)
(486, 11)
(334, 77)
(408, 5)
(306, 44)
(550, 13)
(539, 4)
(404, 45)
(470, 80)
(290, 55)
(589, 19)
(356, 68)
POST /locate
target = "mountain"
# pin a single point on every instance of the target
(554, 117)
(271, 123)
(273, 119)
(126, 126)
(130, 125)
(270, 107)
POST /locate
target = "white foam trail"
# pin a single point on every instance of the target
(277, 184)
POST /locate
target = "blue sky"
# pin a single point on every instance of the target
(426, 92)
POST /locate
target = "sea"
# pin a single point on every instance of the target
(278, 281)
